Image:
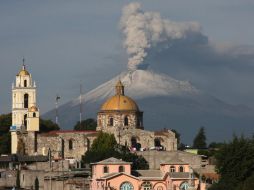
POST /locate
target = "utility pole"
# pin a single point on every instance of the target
(80, 104)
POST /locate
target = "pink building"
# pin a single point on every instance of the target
(115, 174)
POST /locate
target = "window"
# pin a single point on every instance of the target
(184, 186)
(70, 144)
(172, 169)
(126, 186)
(34, 114)
(146, 185)
(111, 121)
(181, 169)
(126, 121)
(25, 83)
(105, 169)
(121, 169)
(26, 101)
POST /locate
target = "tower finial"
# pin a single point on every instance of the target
(23, 65)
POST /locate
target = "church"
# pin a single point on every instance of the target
(119, 115)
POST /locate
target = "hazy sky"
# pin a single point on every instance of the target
(65, 42)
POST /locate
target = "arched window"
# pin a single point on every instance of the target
(172, 169)
(70, 144)
(25, 83)
(121, 169)
(34, 114)
(62, 148)
(157, 142)
(184, 186)
(25, 120)
(181, 169)
(126, 186)
(138, 122)
(146, 185)
(126, 121)
(105, 169)
(111, 121)
(25, 100)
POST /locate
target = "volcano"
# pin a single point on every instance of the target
(167, 103)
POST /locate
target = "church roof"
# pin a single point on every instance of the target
(119, 102)
(33, 109)
(112, 160)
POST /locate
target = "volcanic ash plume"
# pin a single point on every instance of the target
(145, 30)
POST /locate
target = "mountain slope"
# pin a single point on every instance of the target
(167, 103)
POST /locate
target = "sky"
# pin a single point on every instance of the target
(66, 43)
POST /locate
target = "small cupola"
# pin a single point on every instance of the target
(119, 88)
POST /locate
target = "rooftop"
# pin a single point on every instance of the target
(112, 160)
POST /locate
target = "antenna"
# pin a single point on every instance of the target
(56, 108)
(80, 104)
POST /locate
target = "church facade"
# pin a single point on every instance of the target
(119, 115)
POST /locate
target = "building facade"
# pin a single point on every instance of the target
(115, 174)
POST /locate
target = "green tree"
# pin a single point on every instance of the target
(88, 124)
(5, 143)
(48, 125)
(235, 164)
(5, 137)
(248, 183)
(199, 141)
(105, 146)
(5, 123)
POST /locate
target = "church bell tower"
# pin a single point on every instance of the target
(23, 102)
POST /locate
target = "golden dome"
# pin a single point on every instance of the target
(33, 109)
(23, 71)
(119, 103)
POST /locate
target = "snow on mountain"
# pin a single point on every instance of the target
(140, 84)
(167, 103)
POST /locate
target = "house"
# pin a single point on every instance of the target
(115, 174)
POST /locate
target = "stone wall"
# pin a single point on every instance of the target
(71, 145)
(8, 178)
(135, 119)
(145, 139)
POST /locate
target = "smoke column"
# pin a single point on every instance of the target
(146, 30)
